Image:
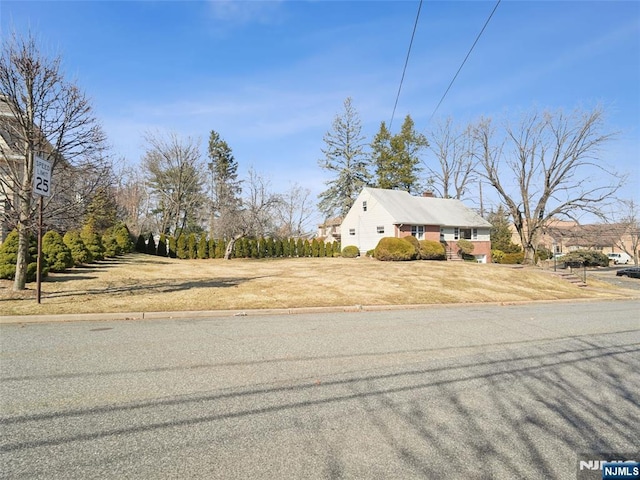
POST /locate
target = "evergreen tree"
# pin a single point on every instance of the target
(221, 246)
(224, 188)
(79, 251)
(500, 233)
(345, 158)
(315, 248)
(151, 245)
(254, 248)
(270, 248)
(192, 249)
(278, 250)
(141, 244)
(110, 244)
(212, 247)
(173, 247)
(92, 241)
(55, 252)
(102, 210)
(9, 257)
(329, 249)
(203, 247)
(162, 245)
(397, 157)
(286, 248)
(181, 247)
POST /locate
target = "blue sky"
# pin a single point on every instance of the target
(270, 76)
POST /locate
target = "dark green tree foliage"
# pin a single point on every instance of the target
(500, 233)
(79, 251)
(225, 186)
(306, 248)
(9, 256)
(212, 248)
(192, 246)
(329, 249)
(239, 249)
(293, 248)
(397, 158)
(56, 253)
(181, 247)
(162, 245)
(278, 249)
(141, 244)
(173, 247)
(345, 158)
(123, 238)
(286, 248)
(203, 247)
(151, 245)
(300, 248)
(271, 248)
(254, 251)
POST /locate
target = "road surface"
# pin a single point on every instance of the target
(473, 392)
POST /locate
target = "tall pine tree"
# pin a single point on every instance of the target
(345, 158)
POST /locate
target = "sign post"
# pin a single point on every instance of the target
(41, 187)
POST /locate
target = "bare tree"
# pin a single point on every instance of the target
(256, 216)
(456, 167)
(174, 173)
(624, 224)
(134, 201)
(45, 116)
(548, 167)
(294, 211)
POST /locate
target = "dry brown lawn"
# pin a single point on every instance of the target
(141, 283)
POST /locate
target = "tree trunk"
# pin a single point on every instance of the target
(20, 280)
(229, 251)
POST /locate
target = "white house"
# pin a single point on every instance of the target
(379, 213)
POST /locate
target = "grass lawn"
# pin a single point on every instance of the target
(143, 283)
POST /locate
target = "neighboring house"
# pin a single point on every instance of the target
(329, 231)
(379, 213)
(8, 156)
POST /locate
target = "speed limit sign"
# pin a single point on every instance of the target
(42, 177)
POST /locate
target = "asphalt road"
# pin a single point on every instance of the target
(475, 392)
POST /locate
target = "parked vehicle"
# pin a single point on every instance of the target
(631, 272)
(619, 258)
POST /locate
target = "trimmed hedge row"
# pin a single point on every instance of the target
(192, 246)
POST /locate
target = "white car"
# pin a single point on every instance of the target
(619, 258)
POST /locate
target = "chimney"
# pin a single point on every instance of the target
(428, 194)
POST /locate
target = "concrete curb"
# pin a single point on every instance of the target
(189, 314)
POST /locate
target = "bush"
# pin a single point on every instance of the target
(431, 250)
(93, 242)
(465, 247)
(9, 257)
(55, 252)
(497, 256)
(203, 247)
(395, 249)
(111, 247)
(589, 258)
(192, 246)
(181, 247)
(162, 246)
(350, 251)
(512, 258)
(123, 238)
(79, 251)
(173, 247)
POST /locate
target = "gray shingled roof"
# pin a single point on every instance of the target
(410, 210)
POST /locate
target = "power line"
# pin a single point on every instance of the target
(465, 60)
(406, 62)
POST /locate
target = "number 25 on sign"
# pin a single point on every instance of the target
(42, 177)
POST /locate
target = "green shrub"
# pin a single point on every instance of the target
(350, 251)
(431, 250)
(465, 247)
(395, 249)
(123, 238)
(497, 256)
(56, 253)
(192, 250)
(278, 248)
(328, 249)
(79, 251)
(93, 242)
(413, 241)
(221, 248)
(589, 258)
(300, 248)
(543, 253)
(512, 258)
(110, 244)
(212, 248)
(9, 257)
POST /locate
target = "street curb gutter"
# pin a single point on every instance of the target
(195, 314)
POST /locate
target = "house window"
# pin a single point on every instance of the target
(380, 229)
(474, 234)
(418, 231)
(465, 233)
(364, 206)
(352, 231)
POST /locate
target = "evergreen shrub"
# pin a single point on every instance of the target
(55, 252)
(431, 250)
(395, 249)
(350, 251)
(141, 245)
(151, 245)
(79, 251)
(161, 251)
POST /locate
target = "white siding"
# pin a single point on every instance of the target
(365, 224)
